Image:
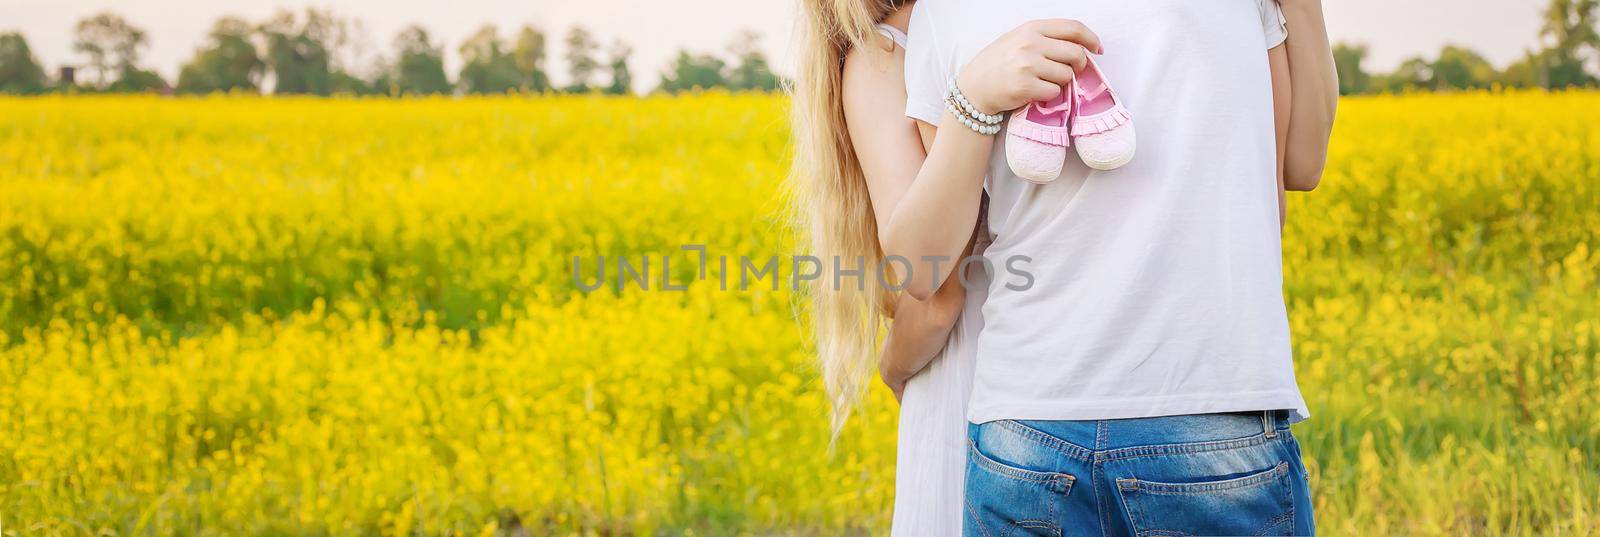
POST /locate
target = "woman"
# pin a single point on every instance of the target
(856, 154)
(857, 161)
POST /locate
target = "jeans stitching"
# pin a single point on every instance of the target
(1051, 481)
(1154, 487)
(977, 521)
(1079, 452)
(1123, 499)
(1062, 446)
(1021, 474)
(1048, 524)
(1176, 449)
(1038, 525)
(1287, 516)
(1100, 473)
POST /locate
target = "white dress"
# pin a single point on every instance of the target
(931, 464)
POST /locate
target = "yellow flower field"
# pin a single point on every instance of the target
(283, 316)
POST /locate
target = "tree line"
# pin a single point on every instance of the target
(316, 52)
(1568, 50)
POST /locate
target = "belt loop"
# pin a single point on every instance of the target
(1269, 428)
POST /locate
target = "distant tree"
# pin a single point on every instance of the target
(617, 63)
(419, 65)
(227, 62)
(1460, 68)
(1527, 72)
(694, 72)
(383, 80)
(133, 80)
(1415, 73)
(581, 65)
(19, 70)
(529, 56)
(1572, 42)
(112, 46)
(1347, 60)
(354, 68)
(342, 82)
(486, 65)
(751, 72)
(299, 51)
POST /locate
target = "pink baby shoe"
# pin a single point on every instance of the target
(1101, 126)
(1037, 137)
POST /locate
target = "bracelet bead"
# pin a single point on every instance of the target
(986, 129)
(973, 111)
(977, 121)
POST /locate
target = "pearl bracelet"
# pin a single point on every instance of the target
(986, 129)
(972, 111)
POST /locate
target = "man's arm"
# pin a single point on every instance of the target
(1315, 85)
(1282, 108)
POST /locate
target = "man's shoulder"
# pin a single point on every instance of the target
(936, 13)
(961, 20)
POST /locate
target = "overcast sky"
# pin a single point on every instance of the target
(656, 29)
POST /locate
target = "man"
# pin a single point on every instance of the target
(1144, 383)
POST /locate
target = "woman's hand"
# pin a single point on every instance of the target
(920, 331)
(1030, 63)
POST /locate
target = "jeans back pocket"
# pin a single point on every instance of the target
(1004, 500)
(1260, 503)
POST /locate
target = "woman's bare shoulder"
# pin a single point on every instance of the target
(875, 67)
(900, 19)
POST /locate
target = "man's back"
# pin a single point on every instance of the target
(1156, 287)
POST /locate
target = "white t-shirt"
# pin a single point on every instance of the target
(1157, 287)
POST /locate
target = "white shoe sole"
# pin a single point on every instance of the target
(1108, 150)
(1035, 162)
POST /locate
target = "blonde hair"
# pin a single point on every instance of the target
(831, 201)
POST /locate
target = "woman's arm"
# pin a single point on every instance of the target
(890, 151)
(1315, 85)
(919, 331)
(933, 221)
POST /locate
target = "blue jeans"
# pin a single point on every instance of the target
(1205, 474)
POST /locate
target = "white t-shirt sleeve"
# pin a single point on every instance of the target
(1273, 25)
(926, 69)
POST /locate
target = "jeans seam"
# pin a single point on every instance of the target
(1097, 474)
(1123, 499)
(1061, 446)
(1287, 516)
(1177, 449)
(976, 520)
(1278, 471)
(1050, 479)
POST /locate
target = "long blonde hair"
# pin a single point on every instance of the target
(830, 199)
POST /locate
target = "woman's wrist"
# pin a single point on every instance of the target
(976, 95)
(962, 109)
